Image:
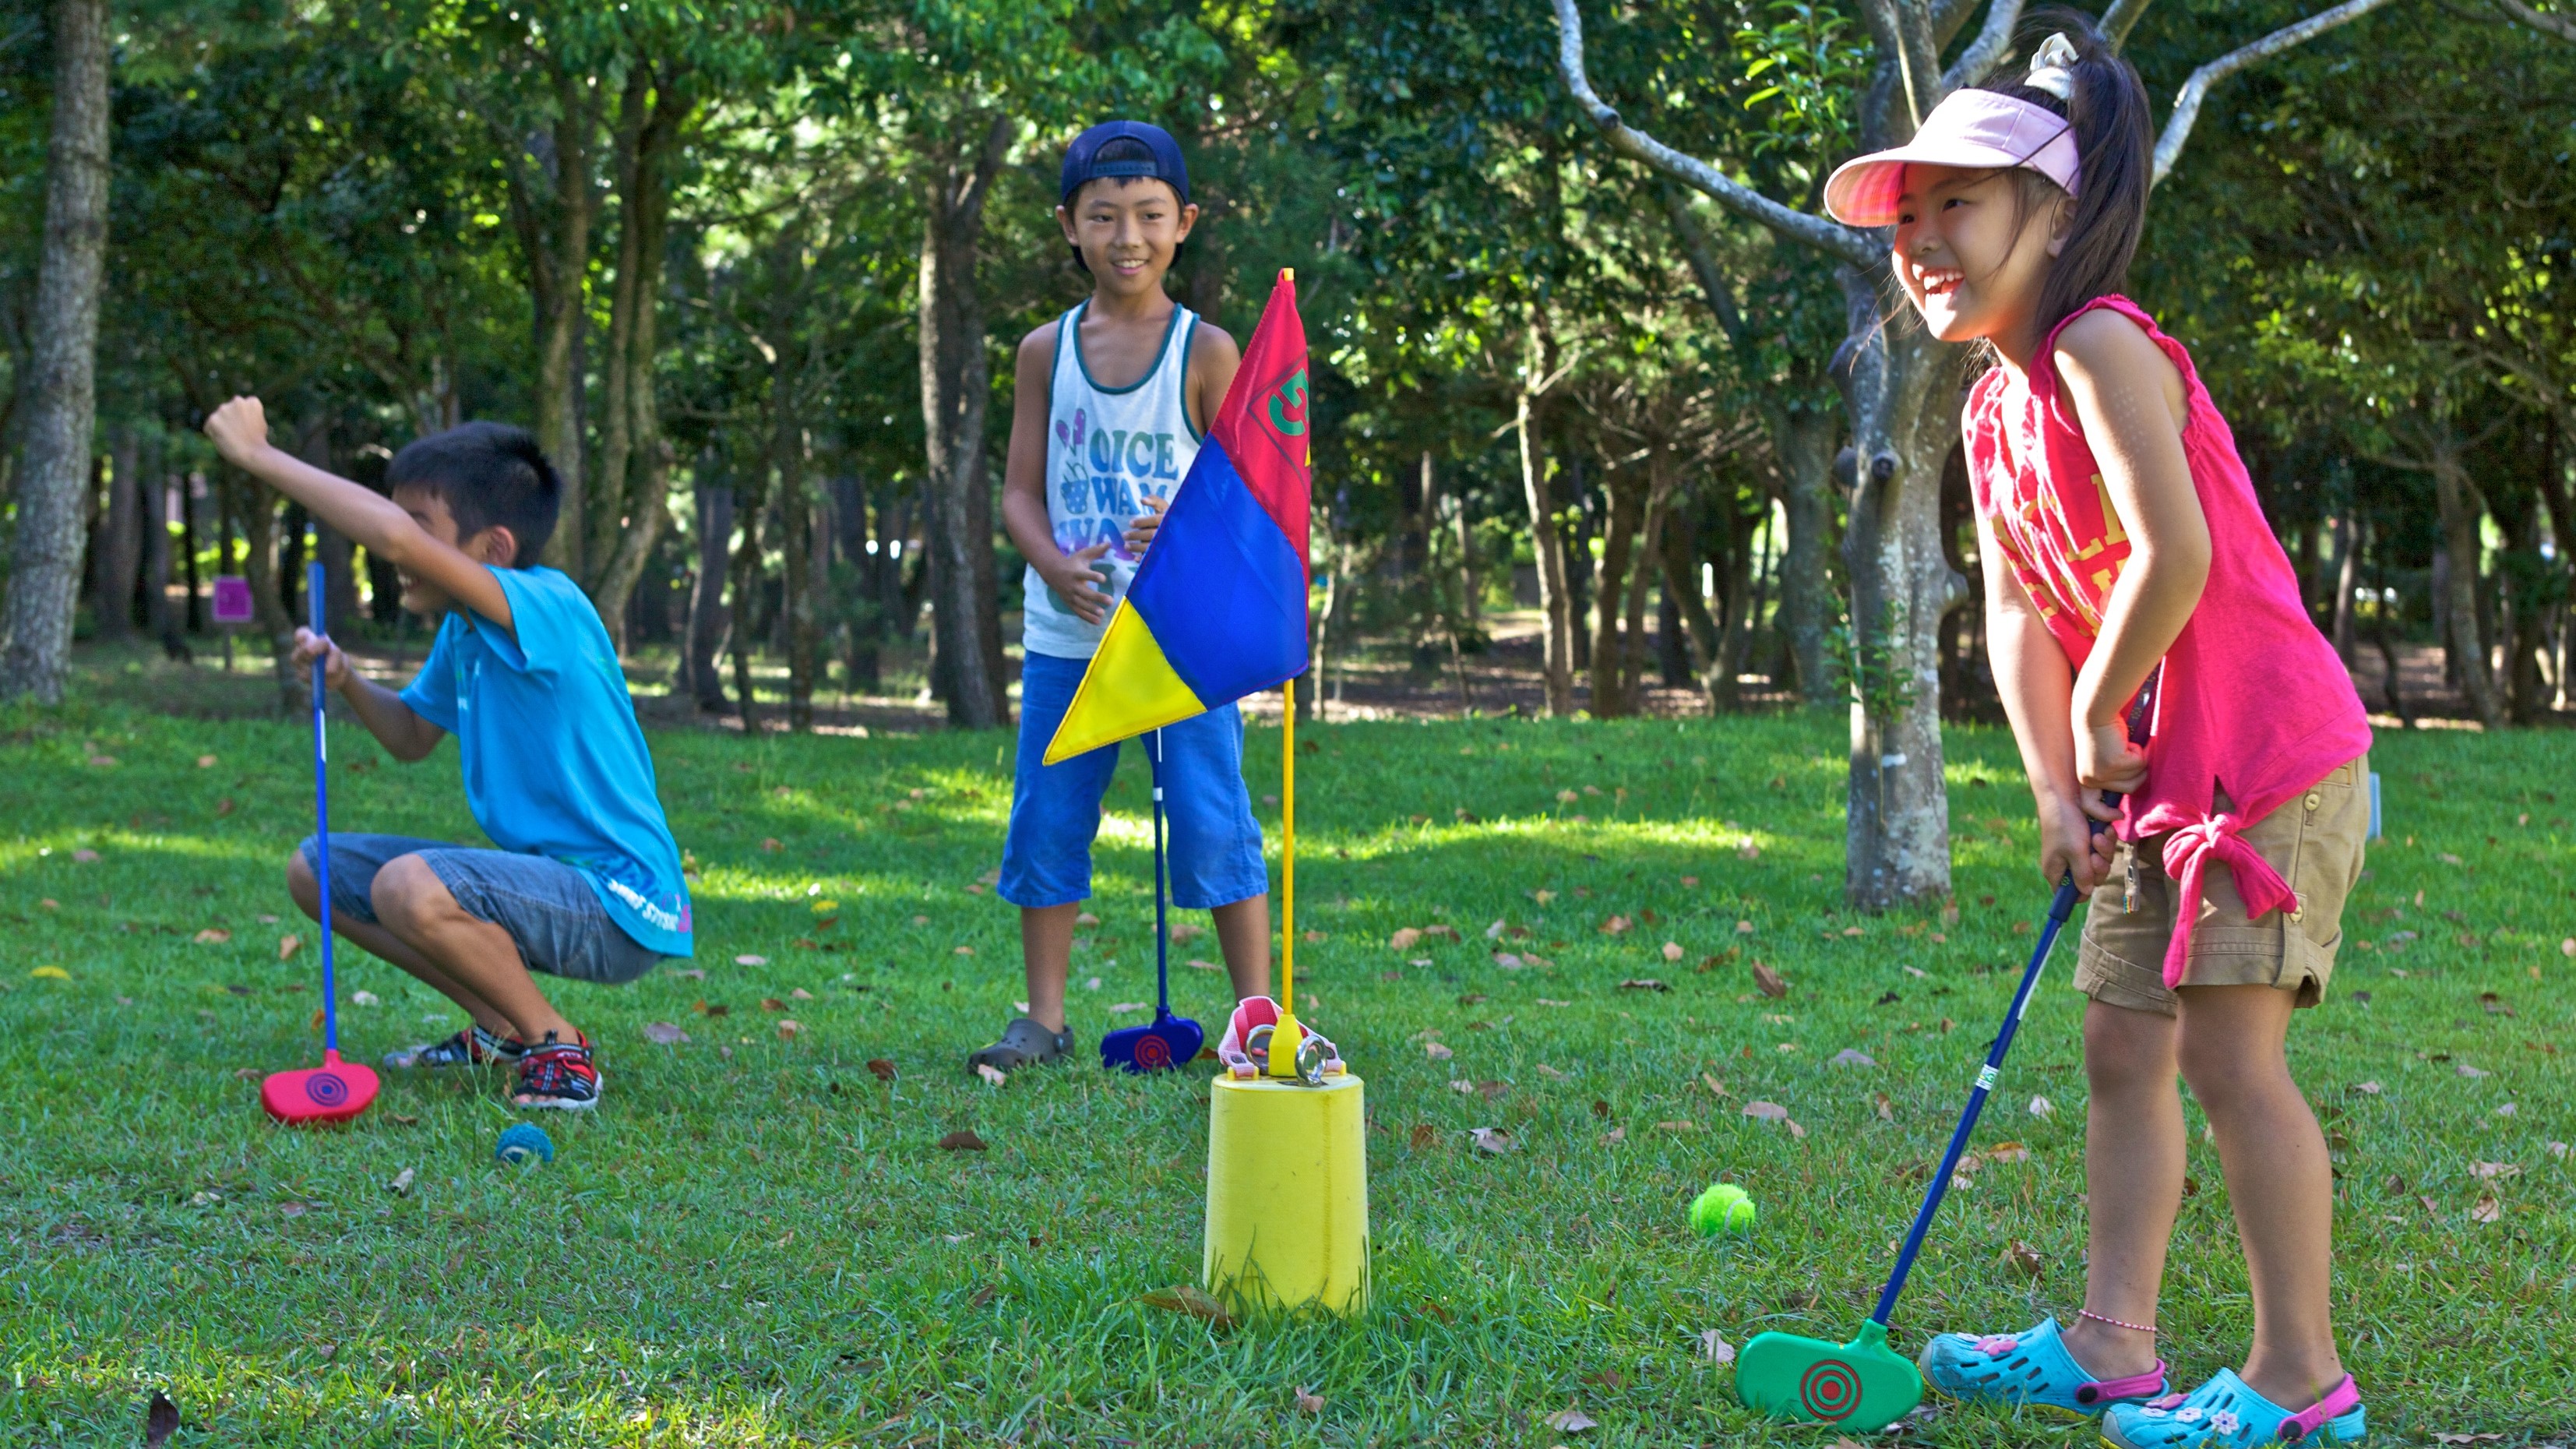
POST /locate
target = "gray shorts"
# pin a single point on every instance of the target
(547, 906)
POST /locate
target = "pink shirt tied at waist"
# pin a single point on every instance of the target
(2253, 699)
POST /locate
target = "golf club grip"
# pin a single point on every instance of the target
(315, 584)
(2060, 908)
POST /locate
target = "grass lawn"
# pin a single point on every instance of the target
(753, 1242)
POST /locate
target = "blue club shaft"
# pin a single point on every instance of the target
(2058, 911)
(1162, 936)
(314, 587)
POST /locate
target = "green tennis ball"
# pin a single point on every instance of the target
(1724, 1208)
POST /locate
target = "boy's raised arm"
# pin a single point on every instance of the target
(240, 432)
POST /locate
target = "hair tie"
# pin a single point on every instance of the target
(2051, 67)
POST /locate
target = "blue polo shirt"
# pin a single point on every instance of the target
(554, 762)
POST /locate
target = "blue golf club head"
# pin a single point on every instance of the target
(1169, 1041)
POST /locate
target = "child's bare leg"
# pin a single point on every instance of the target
(1243, 931)
(2133, 1164)
(1046, 954)
(387, 946)
(415, 906)
(2278, 1180)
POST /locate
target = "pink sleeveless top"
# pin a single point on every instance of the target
(2252, 699)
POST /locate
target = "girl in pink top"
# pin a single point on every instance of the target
(2119, 535)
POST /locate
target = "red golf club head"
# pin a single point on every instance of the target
(332, 1092)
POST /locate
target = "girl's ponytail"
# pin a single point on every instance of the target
(2114, 145)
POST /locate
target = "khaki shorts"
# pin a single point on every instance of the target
(2315, 840)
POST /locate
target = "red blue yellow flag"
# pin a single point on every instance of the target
(1218, 609)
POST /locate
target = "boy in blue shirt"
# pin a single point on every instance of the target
(587, 881)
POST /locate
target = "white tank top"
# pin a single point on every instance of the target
(1107, 450)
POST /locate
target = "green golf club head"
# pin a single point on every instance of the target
(1857, 1385)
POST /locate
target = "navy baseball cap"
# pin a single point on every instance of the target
(1124, 148)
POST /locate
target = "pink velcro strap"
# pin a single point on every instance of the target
(2187, 855)
(2128, 1388)
(2340, 1400)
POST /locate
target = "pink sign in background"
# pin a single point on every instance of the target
(232, 599)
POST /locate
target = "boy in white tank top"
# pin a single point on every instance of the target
(1111, 398)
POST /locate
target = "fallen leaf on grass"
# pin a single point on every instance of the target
(664, 1033)
(2487, 1210)
(2367, 1089)
(2005, 1152)
(1571, 1421)
(1643, 983)
(2485, 1171)
(1614, 1137)
(708, 1008)
(2042, 1107)
(84, 855)
(993, 1076)
(1852, 1057)
(2469, 1071)
(1436, 1051)
(2467, 1438)
(1672, 951)
(2022, 1257)
(50, 973)
(1117, 1008)
(1766, 1111)
(213, 936)
(1886, 1108)
(1309, 1403)
(965, 951)
(1714, 1347)
(401, 1185)
(316, 1024)
(772, 1003)
(800, 994)
(771, 845)
(1404, 939)
(788, 1027)
(161, 1417)
(1189, 1298)
(962, 1140)
(365, 998)
(1677, 1126)
(751, 960)
(1616, 926)
(1492, 1139)
(1198, 965)
(1424, 1136)
(881, 1068)
(1187, 931)
(1769, 981)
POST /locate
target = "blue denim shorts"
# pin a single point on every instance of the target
(547, 906)
(1212, 846)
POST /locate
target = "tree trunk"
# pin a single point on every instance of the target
(1681, 586)
(1609, 651)
(158, 617)
(60, 361)
(258, 513)
(2455, 495)
(1650, 534)
(630, 509)
(1735, 633)
(965, 616)
(2347, 578)
(706, 596)
(796, 516)
(120, 538)
(555, 215)
(1548, 545)
(1900, 388)
(1803, 441)
(744, 613)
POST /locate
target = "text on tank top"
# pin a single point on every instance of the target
(1107, 451)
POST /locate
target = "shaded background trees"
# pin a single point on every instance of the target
(752, 272)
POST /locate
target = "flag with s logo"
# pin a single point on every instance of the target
(1218, 609)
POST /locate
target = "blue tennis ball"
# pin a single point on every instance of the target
(523, 1143)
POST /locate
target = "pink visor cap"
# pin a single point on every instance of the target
(1973, 129)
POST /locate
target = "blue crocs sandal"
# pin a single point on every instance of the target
(2029, 1367)
(2224, 1411)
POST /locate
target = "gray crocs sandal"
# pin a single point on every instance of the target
(1024, 1043)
